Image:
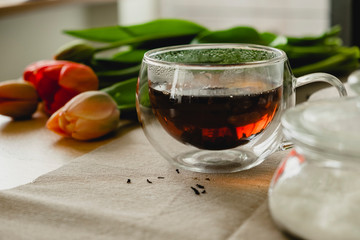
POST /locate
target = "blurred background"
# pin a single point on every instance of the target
(32, 30)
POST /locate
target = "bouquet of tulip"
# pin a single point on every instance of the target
(85, 90)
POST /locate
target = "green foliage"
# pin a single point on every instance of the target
(123, 94)
(130, 56)
(323, 53)
(232, 35)
(118, 72)
(122, 35)
(110, 77)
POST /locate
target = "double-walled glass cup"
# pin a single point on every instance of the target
(217, 107)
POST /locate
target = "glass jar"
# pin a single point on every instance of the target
(315, 191)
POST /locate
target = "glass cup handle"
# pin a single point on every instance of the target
(322, 77)
(316, 77)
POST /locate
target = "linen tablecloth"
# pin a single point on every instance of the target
(126, 190)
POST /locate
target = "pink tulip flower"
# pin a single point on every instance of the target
(88, 115)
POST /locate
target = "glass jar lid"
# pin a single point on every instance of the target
(332, 125)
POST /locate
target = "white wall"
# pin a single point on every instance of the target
(290, 17)
(138, 11)
(36, 35)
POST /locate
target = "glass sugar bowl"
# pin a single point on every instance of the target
(315, 191)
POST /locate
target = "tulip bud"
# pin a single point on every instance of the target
(87, 116)
(58, 81)
(18, 99)
(75, 51)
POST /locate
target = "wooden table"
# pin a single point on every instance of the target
(28, 150)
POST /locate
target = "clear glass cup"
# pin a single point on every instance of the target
(315, 191)
(217, 107)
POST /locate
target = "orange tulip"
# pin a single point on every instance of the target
(59, 81)
(89, 115)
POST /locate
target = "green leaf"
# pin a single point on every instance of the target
(273, 40)
(130, 56)
(333, 63)
(116, 73)
(123, 94)
(103, 34)
(309, 52)
(268, 37)
(161, 28)
(314, 40)
(240, 34)
(165, 28)
(107, 64)
(108, 78)
(165, 42)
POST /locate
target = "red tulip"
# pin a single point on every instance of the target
(59, 81)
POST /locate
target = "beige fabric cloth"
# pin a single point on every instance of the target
(90, 198)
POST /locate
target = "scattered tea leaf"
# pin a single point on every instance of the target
(200, 186)
(195, 191)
